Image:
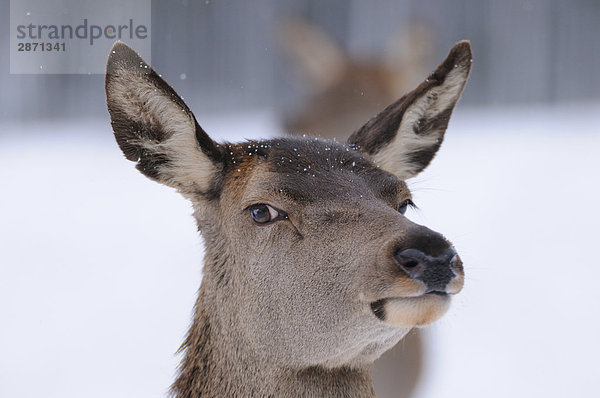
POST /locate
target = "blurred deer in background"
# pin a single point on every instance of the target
(344, 91)
(311, 270)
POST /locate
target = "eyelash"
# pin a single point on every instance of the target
(405, 205)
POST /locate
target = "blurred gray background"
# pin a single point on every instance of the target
(526, 51)
(99, 267)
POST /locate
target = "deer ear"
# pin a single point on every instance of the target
(155, 128)
(404, 138)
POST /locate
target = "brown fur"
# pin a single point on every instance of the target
(301, 306)
(344, 90)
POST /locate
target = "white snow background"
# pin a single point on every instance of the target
(99, 266)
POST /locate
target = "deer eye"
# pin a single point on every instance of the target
(405, 205)
(264, 214)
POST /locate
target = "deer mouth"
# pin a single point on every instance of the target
(417, 311)
(437, 293)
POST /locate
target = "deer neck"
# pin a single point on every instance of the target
(216, 363)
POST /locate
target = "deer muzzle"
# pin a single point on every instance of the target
(429, 271)
(440, 274)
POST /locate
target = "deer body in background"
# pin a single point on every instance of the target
(311, 269)
(345, 90)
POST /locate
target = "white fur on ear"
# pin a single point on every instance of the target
(404, 137)
(436, 103)
(153, 126)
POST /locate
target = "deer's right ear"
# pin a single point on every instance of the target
(155, 128)
(405, 137)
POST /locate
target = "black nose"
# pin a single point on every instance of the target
(435, 272)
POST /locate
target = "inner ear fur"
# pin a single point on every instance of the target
(155, 128)
(404, 137)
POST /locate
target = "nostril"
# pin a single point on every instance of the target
(455, 262)
(410, 263)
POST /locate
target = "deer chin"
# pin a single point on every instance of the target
(407, 312)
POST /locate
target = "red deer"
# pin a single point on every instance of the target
(311, 268)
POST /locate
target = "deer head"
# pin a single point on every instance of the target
(310, 262)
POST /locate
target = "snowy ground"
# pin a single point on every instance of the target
(99, 266)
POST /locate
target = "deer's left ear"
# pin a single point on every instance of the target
(404, 138)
